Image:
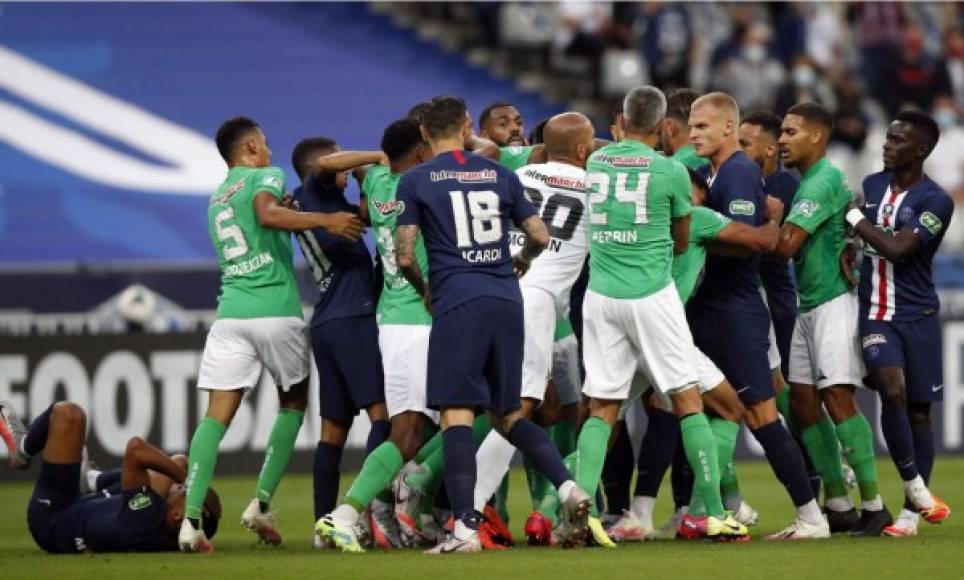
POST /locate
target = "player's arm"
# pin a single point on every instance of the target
(681, 205)
(405, 239)
(482, 146)
(680, 230)
(895, 248)
(272, 214)
(792, 238)
(754, 239)
(537, 240)
(347, 160)
(140, 458)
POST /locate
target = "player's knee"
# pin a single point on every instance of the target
(920, 414)
(67, 413)
(135, 444)
(839, 403)
(892, 394)
(334, 432)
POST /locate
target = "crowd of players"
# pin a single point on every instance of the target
(528, 292)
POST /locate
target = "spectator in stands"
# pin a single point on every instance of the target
(879, 28)
(805, 83)
(954, 53)
(583, 29)
(752, 75)
(851, 121)
(917, 79)
(667, 44)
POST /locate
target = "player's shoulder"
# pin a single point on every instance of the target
(785, 179)
(271, 175)
(563, 174)
(930, 193)
(376, 174)
(876, 184)
(740, 166)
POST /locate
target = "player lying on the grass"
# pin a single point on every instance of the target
(902, 223)
(708, 230)
(142, 515)
(259, 322)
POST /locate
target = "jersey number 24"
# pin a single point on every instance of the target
(599, 190)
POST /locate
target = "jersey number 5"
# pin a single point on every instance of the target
(598, 184)
(234, 244)
(483, 207)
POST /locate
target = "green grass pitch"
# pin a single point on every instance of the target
(938, 552)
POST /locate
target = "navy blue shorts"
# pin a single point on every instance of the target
(475, 356)
(736, 340)
(349, 366)
(913, 346)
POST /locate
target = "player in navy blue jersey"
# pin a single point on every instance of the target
(902, 223)
(344, 333)
(142, 513)
(728, 318)
(463, 204)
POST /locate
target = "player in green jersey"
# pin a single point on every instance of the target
(404, 324)
(674, 133)
(633, 316)
(259, 321)
(825, 358)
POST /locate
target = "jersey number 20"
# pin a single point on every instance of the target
(483, 207)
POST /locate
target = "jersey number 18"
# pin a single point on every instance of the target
(483, 207)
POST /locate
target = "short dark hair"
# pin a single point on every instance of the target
(643, 109)
(813, 113)
(443, 115)
(535, 136)
(678, 104)
(230, 134)
(698, 180)
(415, 113)
(487, 112)
(306, 150)
(768, 121)
(924, 123)
(401, 137)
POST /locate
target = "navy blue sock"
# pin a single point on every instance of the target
(535, 444)
(682, 476)
(617, 473)
(785, 458)
(923, 433)
(895, 424)
(442, 498)
(458, 448)
(656, 451)
(108, 479)
(378, 435)
(36, 437)
(327, 471)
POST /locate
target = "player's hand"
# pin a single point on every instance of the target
(773, 209)
(520, 265)
(289, 202)
(848, 264)
(344, 225)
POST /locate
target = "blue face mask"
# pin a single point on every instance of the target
(945, 118)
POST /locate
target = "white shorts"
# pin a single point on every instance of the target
(539, 314)
(622, 337)
(709, 376)
(237, 349)
(825, 349)
(404, 350)
(565, 369)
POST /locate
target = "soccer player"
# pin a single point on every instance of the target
(142, 515)
(632, 315)
(403, 330)
(344, 333)
(707, 228)
(902, 223)
(729, 321)
(825, 363)
(674, 133)
(503, 124)
(259, 321)
(462, 204)
(558, 191)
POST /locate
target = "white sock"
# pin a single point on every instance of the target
(909, 516)
(462, 531)
(810, 513)
(642, 509)
(873, 505)
(839, 504)
(492, 463)
(92, 479)
(565, 490)
(918, 493)
(345, 514)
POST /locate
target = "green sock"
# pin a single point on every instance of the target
(201, 460)
(826, 463)
(783, 406)
(537, 483)
(700, 447)
(501, 499)
(549, 506)
(480, 428)
(433, 444)
(591, 449)
(697, 506)
(563, 434)
(281, 443)
(858, 443)
(376, 473)
(725, 432)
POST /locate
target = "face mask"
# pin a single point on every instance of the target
(945, 118)
(755, 53)
(804, 76)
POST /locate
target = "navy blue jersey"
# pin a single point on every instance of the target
(342, 269)
(736, 191)
(464, 204)
(903, 291)
(774, 270)
(132, 521)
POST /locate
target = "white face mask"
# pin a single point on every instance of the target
(804, 76)
(945, 118)
(755, 53)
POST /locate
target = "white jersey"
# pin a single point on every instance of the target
(558, 190)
